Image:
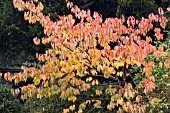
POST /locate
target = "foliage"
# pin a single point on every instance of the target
(92, 53)
(15, 30)
(52, 104)
(16, 36)
(8, 102)
(161, 71)
(16, 33)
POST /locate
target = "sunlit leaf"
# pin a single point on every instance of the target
(72, 108)
(65, 110)
(93, 72)
(120, 101)
(120, 73)
(89, 79)
(72, 98)
(36, 80)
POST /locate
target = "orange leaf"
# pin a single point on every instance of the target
(98, 92)
(72, 108)
(93, 72)
(72, 98)
(36, 40)
(65, 110)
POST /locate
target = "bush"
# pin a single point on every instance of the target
(52, 104)
(8, 102)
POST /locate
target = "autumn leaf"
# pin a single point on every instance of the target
(93, 72)
(65, 110)
(60, 74)
(36, 40)
(72, 107)
(89, 79)
(82, 105)
(36, 81)
(97, 104)
(93, 82)
(72, 98)
(106, 75)
(88, 101)
(120, 101)
(152, 101)
(138, 98)
(45, 83)
(97, 82)
(111, 106)
(98, 92)
(120, 73)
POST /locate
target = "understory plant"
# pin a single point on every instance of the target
(92, 55)
(8, 102)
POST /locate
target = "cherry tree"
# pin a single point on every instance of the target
(81, 52)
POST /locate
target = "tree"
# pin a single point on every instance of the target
(92, 55)
(14, 30)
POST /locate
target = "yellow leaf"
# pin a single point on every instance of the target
(31, 75)
(128, 61)
(89, 79)
(88, 101)
(93, 72)
(120, 101)
(36, 80)
(72, 98)
(65, 110)
(39, 96)
(62, 63)
(10, 79)
(60, 74)
(98, 68)
(72, 108)
(64, 69)
(121, 64)
(119, 73)
(138, 98)
(45, 83)
(49, 94)
(93, 82)
(97, 82)
(109, 107)
(127, 66)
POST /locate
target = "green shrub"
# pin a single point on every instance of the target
(8, 102)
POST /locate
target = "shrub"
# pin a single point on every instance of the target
(95, 56)
(52, 104)
(8, 102)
